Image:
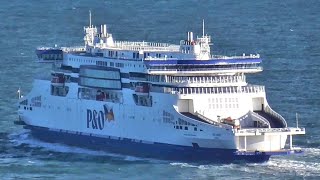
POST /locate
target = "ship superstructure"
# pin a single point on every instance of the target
(155, 100)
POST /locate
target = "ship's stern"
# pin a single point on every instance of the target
(266, 141)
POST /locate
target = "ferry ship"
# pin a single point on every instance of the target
(157, 100)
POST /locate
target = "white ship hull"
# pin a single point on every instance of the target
(141, 129)
(156, 100)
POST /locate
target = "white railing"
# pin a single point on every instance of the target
(244, 56)
(216, 79)
(270, 111)
(47, 48)
(74, 49)
(222, 90)
(65, 49)
(166, 70)
(212, 121)
(270, 130)
(141, 43)
(164, 58)
(146, 46)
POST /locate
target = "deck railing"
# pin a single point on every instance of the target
(157, 70)
(74, 49)
(220, 79)
(65, 49)
(270, 130)
(221, 90)
(236, 80)
(212, 121)
(244, 56)
(146, 46)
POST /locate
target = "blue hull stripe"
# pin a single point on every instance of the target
(148, 150)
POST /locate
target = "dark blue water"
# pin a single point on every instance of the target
(286, 34)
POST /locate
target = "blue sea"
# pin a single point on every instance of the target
(285, 33)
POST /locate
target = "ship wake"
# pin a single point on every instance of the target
(305, 165)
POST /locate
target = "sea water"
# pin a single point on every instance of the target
(285, 33)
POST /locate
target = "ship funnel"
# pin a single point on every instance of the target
(105, 30)
(191, 36)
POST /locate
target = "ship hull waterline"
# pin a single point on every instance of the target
(146, 150)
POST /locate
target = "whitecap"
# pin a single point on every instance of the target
(183, 164)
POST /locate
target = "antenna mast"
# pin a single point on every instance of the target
(297, 120)
(90, 17)
(202, 27)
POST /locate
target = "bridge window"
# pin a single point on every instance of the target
(59, 90)
(136, 55)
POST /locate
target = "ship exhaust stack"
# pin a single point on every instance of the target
(105, 30)
(101, 30)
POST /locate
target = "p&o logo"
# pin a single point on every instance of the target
(96, 119)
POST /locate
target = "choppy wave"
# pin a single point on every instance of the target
(297, 167)
(306, 165)
(312, 152)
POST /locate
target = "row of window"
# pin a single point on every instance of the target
(99, 95)
(81, 60)
(135, 55)
(112, 53)
(217, 100)
(221, 106)
(186, 128)
(120, 65)
(59, 90)
(167, 117)
(142, 100)
(26, 108)
(36, 101)
(103, 63)
(183, 122)
(51, 56)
